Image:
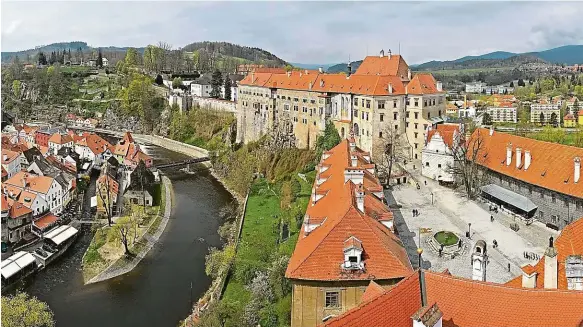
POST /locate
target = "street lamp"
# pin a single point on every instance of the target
(431, 198)
(469, 230)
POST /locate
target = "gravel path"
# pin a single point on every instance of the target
(118, 268)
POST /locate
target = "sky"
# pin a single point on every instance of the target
(304, 32)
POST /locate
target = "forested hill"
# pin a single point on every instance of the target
(243, 53)
(30, 54)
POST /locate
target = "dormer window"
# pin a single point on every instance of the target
(353, 254)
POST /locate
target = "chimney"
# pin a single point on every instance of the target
(390, 88)
(508, 154)
(4, 157)
(252, 77)
(382, 53)
(389, 54)
(577, 162)
(353, 160)
(491, 130)
(352, 144)
(288, 73)
(551, 264)
(321, 83)
(439, 86)
(310, 86)
(409, 73)
(526, 159)
(300, 74)
(518, 157)
(529, 279)
(359, 195)
(320, 70)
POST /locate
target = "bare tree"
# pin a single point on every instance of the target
(121, 232)
(388, 150)
(469, 157)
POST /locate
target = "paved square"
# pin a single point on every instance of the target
(451, 211)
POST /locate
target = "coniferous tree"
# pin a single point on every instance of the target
(99, 59)
(227, 88)
(42, 59)
(216, 83)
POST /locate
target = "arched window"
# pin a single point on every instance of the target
(356, 131)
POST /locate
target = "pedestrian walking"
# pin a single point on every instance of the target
(491, 218)
(413, 212)
(459, 244)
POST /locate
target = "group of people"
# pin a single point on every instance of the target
(415, 212)
(531, 256)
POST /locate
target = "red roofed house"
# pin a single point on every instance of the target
(531, 178)
(107, 192)
(49, 193)
(16, 217)
(121, 148)
(437, 157)
(58, 141)
(135, 155)
(93, 148)
(346, 239)
(431, 299)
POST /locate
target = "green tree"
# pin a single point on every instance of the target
(99, 59)
(131, 58)
(554, 121)
(218, 261)
(176, 82)
(227, 88)
(42, 59)
(330, 139)
(20, 310)
(486, 119)
(216, 83)
(16, 88)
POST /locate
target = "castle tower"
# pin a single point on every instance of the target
(479, 261)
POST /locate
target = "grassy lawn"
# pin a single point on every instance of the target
(446, 238)
(260, 237)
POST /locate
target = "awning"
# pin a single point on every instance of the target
(514, 199)
(15, 263)
(61, 234)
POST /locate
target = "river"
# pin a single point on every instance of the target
(158, 291)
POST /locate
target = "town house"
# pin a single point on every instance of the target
(438, 157)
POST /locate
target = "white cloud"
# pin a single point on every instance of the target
(318, 32)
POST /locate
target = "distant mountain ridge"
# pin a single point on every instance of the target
(568, 54)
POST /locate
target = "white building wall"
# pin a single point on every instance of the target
(436, 160)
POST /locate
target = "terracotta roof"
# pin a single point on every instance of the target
(569, 117)
(269, 70)
(95, 143)
(569, 242)
(422, 83)
(4, 172)
(319, 255)
(45, 221)
(135, 154)
(465, 302)
(127, 137)
(39, 184)
(10, 156)
(5, 206)
(59, 138)
(18, 209)
(554, 172)
(372, 290)
(446, 131)
(376, 65)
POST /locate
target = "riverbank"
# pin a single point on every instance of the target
(105, 258)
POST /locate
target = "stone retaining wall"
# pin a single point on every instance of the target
(172, 145)
(215, 104)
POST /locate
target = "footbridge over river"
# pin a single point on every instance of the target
(190, 150)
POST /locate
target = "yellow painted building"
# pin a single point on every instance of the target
(569, 121)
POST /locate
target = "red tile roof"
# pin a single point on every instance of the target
(376, 65)
(46, 221)
(446, 131)
(319, 255)
(569, 242)
(105, 180)
(94, 142)
(422, 83)
(468, 303)
(8, 156)
(372, 291)
(59, 138)
(569, 117)
(554, 172)
(39, 184)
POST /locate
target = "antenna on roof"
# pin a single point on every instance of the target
(399, 48)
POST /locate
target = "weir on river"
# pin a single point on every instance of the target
(158, 291)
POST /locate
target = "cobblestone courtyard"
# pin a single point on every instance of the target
(451, 211)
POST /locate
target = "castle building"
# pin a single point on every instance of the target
(382, 96)
(346, 241)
